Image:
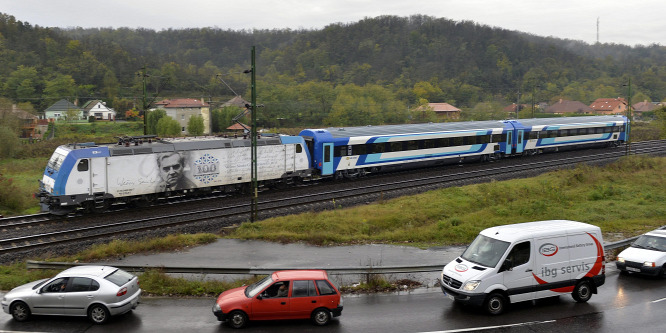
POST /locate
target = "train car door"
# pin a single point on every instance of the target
(327, 160)
(519, 141)
(290, 156)
(98, 174)
(509, 142)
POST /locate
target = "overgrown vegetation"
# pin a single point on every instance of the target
(624, 197)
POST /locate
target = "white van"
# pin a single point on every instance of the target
(526, 261)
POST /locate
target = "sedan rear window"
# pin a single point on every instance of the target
(119, 277)
(325, 288)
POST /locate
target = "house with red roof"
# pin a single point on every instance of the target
(609, 106)
(443, 110)
(567, 107)
(181, 109)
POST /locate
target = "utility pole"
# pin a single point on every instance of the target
(143, 103)
(630, 120)
(253, 133)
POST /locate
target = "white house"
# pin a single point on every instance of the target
(99, 110)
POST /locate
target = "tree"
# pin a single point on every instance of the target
(61, 86)
(195, 125)
(10, 144)
(168, 126)
(22, 83)
(153, 118)
(72, 114)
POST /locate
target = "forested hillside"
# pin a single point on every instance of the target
(368, 72)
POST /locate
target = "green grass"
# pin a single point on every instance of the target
(625, 197)
(18, 182)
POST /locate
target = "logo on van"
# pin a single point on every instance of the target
(461, 268)
(548, 249)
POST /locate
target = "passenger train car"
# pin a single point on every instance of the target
(140, 170)
(346, 152)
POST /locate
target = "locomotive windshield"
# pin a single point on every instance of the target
(56, 160)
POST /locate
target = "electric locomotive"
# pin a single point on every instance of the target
(143, 169)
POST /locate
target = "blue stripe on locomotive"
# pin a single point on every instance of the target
(62, 176)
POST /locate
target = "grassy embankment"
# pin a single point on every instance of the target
(624, 199)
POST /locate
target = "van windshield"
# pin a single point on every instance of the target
(485, 251)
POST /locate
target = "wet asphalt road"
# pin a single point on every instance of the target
(624, 304)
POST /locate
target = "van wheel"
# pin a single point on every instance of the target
(582, 293)
(495, 304)
(237, 319)
(321, 317)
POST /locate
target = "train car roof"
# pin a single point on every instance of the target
(345, 132)
(570, 120)
(138, 145)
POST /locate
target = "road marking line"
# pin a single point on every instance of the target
(658, 300)
(493, 327)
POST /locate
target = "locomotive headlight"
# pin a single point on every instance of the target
(471, 285)
(649, 264)
(620, 260)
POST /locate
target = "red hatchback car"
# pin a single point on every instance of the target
(296, 294)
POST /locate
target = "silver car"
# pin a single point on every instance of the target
(97, 292)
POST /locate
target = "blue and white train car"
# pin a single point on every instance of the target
(352, 151)
(552, 134)
(136, 170)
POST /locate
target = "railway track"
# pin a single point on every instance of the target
(23, 235)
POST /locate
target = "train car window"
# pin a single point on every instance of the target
(327, 154)
(396, 146)
(340, 151)
(412, 145)
(457, 141)
(299, 149)
(509, 142)
(485, 138)
(608, 129)
(359, 149)
(533, 135)
(379, 148)
(552, 134)
(582, 131)
(427, 144)
(443, 143)
(520, 138)
(83, 165)
(600, 130)
(496, 138)
(616, 128)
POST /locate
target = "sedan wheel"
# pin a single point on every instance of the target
(321, 317)
(237, 319)
(98, 314)
(20, 311)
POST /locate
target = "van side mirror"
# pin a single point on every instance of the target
(506, 266)
(259, 297)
